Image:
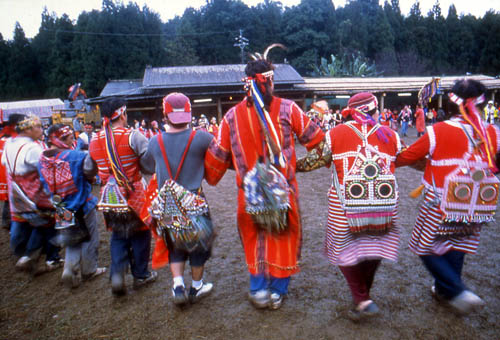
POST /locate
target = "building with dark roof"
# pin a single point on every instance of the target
(214, 89)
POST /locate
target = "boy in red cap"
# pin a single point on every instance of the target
(183, 162)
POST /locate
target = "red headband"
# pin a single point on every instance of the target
(118, 112)
(56, 136)
(63, 132)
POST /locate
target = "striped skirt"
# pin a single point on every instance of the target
(425, 239)
(344, 248)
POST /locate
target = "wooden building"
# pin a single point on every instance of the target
(214, 89)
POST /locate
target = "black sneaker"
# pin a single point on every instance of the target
(138, 283)
(180, 296)
(196, 295)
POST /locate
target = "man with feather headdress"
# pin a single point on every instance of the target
(257, 137)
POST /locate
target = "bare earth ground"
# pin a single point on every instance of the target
(42, 308)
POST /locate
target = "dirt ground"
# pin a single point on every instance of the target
(42, 308)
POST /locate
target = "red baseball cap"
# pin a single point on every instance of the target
(177, 107)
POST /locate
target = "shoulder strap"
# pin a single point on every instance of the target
(361, 134)
(13, 171)
(164, 153)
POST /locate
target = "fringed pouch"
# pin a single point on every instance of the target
(266, 197)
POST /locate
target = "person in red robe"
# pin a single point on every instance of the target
(271, 257)
(420, 120)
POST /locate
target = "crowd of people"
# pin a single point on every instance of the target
(47, 187)
(399, 119)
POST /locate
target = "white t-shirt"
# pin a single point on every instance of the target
(28, 158)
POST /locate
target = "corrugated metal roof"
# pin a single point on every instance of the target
(212, 75)
(41, 107)
(122, 87)
(391, 84)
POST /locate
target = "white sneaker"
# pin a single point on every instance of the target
(196, 295)
(260, 299)
(466, 302)
(276, 301)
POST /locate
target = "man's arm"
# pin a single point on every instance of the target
(89, 167)
(139, 144)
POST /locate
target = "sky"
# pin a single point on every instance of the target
(28, 12)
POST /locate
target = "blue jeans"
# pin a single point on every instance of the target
(447, 272)
(26, 240)
(133, 250)
(404, 128)
(276, 285)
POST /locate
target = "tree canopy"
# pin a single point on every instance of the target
(120, 40)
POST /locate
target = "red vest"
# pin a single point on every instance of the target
(128, 158)
(130, 162)
(447, 144)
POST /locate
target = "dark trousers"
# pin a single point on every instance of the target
(447, 272)
(26, 240)
(360, 279)
(6, 215)
(134, 250)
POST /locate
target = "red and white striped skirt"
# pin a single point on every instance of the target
(344, 248)
(425, 239)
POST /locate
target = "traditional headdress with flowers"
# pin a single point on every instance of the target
(29, 122)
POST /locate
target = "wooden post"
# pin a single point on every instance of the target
(382, 97)
(219, 110)
(304, 108)
(440, 101)
(493, 96)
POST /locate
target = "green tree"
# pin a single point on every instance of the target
(307, 33)
(23, 81)
(4, 75)
(489, 62)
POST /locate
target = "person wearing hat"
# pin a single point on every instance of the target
(460, 194)
(31, 210)
(185, 155)
(259, 129)
(154, 129)
(74, 190)
(361, 228)
(121, 156)
(490, 113)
